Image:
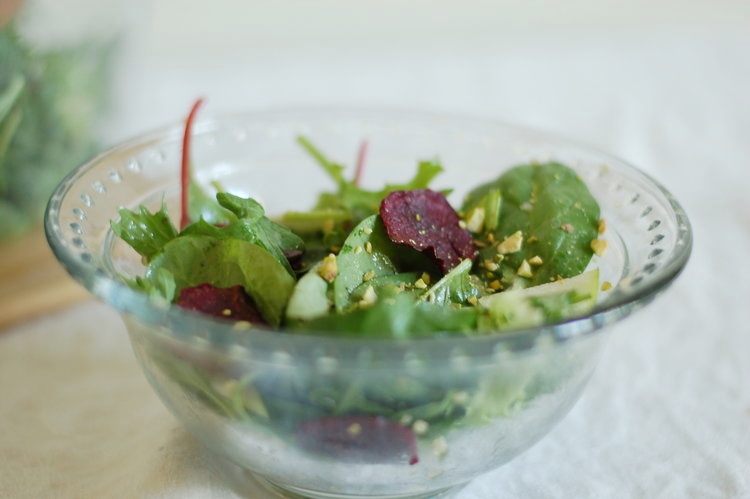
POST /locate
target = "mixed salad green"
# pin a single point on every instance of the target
(396, 262)
(399, 262)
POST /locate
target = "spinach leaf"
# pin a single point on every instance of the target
(368, 254)
(554, 211)
(457, 286)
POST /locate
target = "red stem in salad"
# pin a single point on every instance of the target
(185, 171)
(361, 159)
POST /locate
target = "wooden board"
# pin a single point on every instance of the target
(32, 281)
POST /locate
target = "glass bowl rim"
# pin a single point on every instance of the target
(124, 299)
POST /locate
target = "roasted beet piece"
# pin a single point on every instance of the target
(230, 303)
(424, 220)
(368, 439)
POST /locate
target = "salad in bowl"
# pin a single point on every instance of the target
(389, 329)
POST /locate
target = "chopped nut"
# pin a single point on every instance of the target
(536, 260)
(368, 276)
(462, 224)
(599, 246)
(491, 238)
(354, 429)
(524, 270)
(420, 427)
(567, 227)
(461, 398)
(417, 217)
(367, 230)
(357, 250)
(602, 226)
(420, 284)
(226, 312)
(496, 285)
(368, 247)
(475, 220)
(426, 277)
(369, 298)
(406, 419)
(328, 268)
(473, 300)
(440, 447)
(606, 286)
(490, 265)
(511, 244)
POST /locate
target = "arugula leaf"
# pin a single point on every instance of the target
(199, 259)
(351, 203)
(145, 232)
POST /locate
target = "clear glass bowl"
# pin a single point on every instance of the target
(267, 400)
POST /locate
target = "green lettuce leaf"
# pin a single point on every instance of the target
(194, 260)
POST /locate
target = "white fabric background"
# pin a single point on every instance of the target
(663, 85)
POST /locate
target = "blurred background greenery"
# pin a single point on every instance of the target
(51, 98)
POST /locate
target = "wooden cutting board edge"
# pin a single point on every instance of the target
(32, 281)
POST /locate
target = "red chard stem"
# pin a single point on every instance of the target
(185, 171)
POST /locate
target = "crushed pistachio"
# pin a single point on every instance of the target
(369, 298)
(511, 244)
(440, 447)
(567, 227)
(473, 300)
(462, 224)
(241, 325)
(496, 285)
(226, 312)
(524, 270)
(602, 226)
(475, 220)
(420, 284)
(490, 265)
(357, 249)
(599, 246)
(417, 217)
(426, 277)
(420, 427)
(328, 268)
(606, 286)
(368, 247)
(536, 260)
(367, 230)
(368, 276)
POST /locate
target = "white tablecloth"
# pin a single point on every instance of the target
(664, 85)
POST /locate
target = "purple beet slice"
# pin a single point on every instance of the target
(424, 220)
(362, 439)
(229, 303)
